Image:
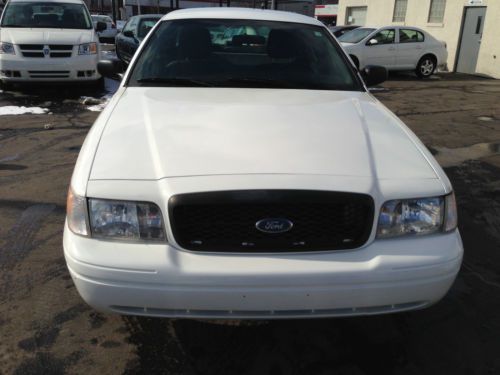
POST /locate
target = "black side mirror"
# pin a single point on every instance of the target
(100, 26)
(129, 34)
(110, 68)
(374, 74)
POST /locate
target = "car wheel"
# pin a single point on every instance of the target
(426, 67)
(7, 86)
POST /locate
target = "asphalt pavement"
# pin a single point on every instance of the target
(46, 328)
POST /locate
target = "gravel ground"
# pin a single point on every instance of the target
(46, 328)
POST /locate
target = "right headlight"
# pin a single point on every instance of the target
(418, 216)
(114, 219)
(7, 48)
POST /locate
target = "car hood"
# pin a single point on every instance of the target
(156, 133)
(45, 36)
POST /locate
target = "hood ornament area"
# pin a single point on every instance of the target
(274, 225)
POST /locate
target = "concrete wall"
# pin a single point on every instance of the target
(489, 54)
(380, 13)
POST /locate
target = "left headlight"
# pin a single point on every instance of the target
(7, 48)
(87, 49)
(417, 216)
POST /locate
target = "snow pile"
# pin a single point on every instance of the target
(15, 110)
(99, 104)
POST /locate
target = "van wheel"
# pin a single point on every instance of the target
(426, 66)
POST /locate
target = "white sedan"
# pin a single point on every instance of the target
(255, 179)
(400, 48)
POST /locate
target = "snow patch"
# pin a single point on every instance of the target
(15, 110)
(98, 104)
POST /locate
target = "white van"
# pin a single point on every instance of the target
(48, 40)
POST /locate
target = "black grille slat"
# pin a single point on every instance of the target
(61, 47)
(225, 221)
(60, 54)
(33, 54)
(31, 46)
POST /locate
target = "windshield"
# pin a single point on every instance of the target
(145, 26)
(243, 53)
(356, 35)
(46, 15)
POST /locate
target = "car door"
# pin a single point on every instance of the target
(409, 48)
(128, 40)
(380, 49)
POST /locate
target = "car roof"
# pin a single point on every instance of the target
(148, 16)
(48, 1)
(242, 14)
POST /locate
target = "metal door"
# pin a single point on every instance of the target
(472, 32)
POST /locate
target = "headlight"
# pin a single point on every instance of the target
(119, 220)
(7, 48)
(124, 220)
(87, 49)
(417, 216)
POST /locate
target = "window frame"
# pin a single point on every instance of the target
(376, 32)
(411, 41)
(432, 18)
(396, 2)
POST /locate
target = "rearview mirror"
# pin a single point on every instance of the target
(100, 26)
(372, 42)
(112, 68)
(374, 74)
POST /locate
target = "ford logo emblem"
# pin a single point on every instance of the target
(273, 225)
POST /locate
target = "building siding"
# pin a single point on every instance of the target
(380, 12)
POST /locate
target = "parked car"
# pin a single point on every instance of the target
(132, 35)
(255, 180)
(108, 35)
(341, 30)
(48, 40)
(400, 48)
(119, 25)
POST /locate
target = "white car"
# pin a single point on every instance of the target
(255, 179)
(46, 41)
(110, 32)
(398, 48)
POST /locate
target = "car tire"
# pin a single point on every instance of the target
(7, 86)
(426, 66)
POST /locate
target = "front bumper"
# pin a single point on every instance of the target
(160, 280)
(16, 68)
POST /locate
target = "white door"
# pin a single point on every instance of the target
(472, 33)
(409, 49)
(380, 49)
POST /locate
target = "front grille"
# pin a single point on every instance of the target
(55, 50)
(226, 221)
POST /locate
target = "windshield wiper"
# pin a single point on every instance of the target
(183, 82)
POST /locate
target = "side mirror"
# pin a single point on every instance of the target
(372, 42)
(100, 26)
(374, 74)
(128, 34)
(110, 68)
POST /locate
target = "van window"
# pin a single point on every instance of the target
(46, 15)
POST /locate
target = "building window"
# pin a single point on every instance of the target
(436, 11)
(399, 11)
(356, 16)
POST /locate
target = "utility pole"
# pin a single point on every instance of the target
(113, 8)
(139, 6)
(176, 4)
